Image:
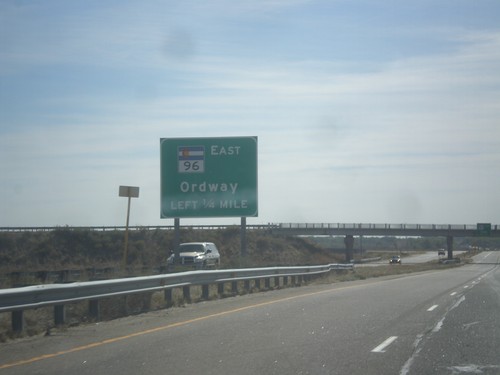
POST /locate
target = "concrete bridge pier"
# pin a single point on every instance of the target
(449, 244)
(349, 246)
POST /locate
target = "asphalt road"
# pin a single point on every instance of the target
(424, 257)
(441, 322)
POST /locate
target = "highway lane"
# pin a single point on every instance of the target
(443, 322)
(466, 340)
(428, 256)
(410, 258)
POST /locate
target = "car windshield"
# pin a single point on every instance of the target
(192, 248)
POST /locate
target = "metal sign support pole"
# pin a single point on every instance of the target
(243, 229)
(177, 234)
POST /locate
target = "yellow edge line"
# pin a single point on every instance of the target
(157, 329)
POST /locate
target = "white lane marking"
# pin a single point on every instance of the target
(406, 368)
(385, 344)
(472, 369)
(432, 308)
(439, 324)
(468, 325)
(452, 294)
(417, 347)
(466, 286)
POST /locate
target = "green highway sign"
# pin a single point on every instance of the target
(483, 229)
(208, 177)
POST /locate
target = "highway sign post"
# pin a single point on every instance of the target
(208, 177)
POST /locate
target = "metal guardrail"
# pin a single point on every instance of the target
(16, 300)
(51, 294)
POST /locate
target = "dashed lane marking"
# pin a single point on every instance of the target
(432, 308)
(385, 344)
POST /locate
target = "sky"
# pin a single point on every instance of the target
(366, 111)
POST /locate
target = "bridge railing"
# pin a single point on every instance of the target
(387, 226)
(338, 226)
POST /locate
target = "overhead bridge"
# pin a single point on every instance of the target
(407, 230)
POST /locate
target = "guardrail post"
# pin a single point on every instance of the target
(59, 315)
(220, 289)
(234, 287)
(257, 284)
(297, 280)
(267, 283)
(17, 320)
(167, 295)
(276, 281)
(186, 291)
(247, 285)
(285, 280)
(204, 292)
(94, 309)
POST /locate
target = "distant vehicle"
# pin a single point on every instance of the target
(441, 252)
(196, 255)
(396, 259)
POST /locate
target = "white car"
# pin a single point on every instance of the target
(197, 255)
